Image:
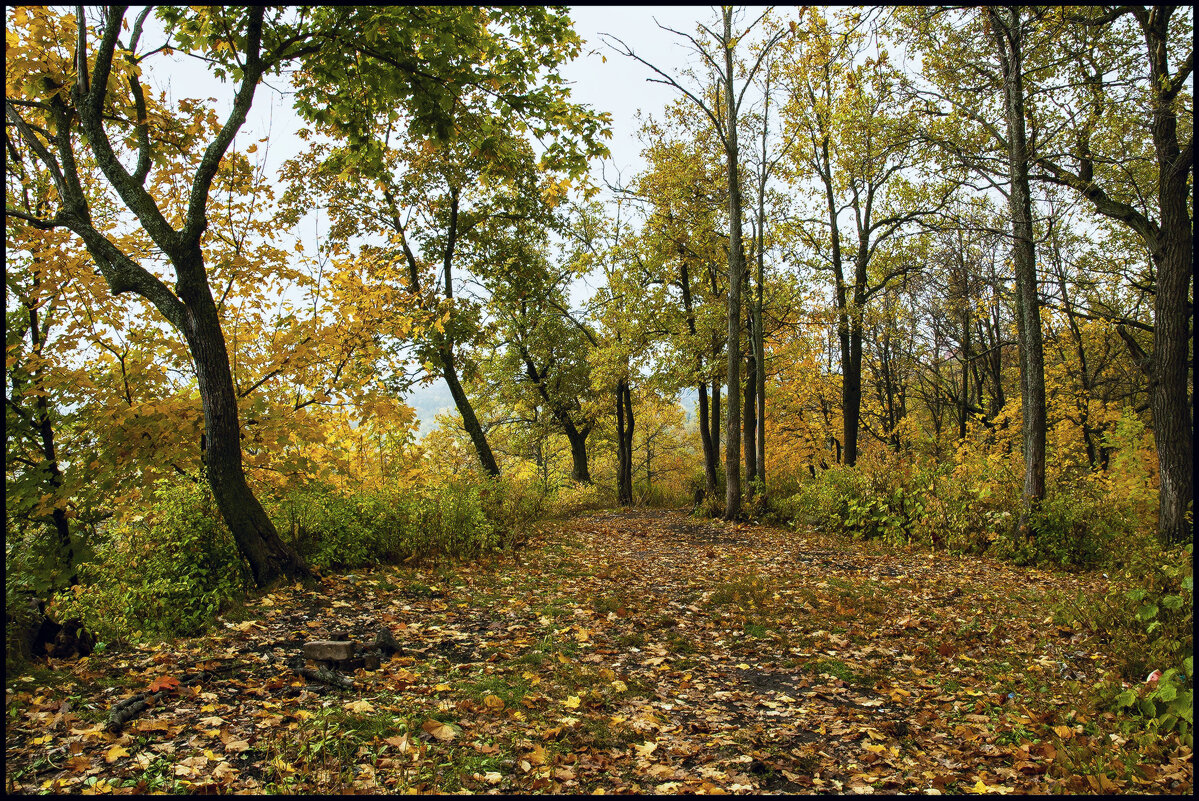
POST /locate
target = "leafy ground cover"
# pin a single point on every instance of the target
(620, 652)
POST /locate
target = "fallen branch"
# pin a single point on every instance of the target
(130, 708)
(326, 676)
(133, 706)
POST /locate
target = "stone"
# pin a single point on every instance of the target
(370, 660)
(385, 642)
(328, 650)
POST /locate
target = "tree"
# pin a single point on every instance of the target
(1007, 32)
(1107, 91)
(684, 190)
(720, 100)
(991, 45)
(855, 134)
(92, 95)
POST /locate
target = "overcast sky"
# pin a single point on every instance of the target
(599, 77)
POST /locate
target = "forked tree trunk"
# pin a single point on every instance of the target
(578, 449)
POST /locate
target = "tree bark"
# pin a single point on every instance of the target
(1172, 309)
(760, 370)
(578, 450)
(470, 422)
(270, 559)
(1008, 36)
(624, 444)
(714, 424)
(45, 427)
(711, 484)
(732, 456)
(749, 426)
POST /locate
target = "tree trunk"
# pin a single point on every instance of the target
(45, 426)
(469, 421)
(1172, 310)
(271, 560)
(705, 433)
(624, 444)
(578, 450)
(1008, 38)
(732, 456)
(714, 422)
(760, 374)
(749, 427)
(711, 483)
(851, 391)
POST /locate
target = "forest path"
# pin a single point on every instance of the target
(635, 651)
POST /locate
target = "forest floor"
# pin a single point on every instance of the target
(643, 651)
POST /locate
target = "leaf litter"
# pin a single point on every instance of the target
(633, 651)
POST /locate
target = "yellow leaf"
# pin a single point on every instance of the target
(538, 756)
(572, 702)
(115, 753)
(645, 749)
(493, 702)
(360, 707)
(441, 731)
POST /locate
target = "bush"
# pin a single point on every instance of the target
(461, 518)
(166, 574)
(1074, 525)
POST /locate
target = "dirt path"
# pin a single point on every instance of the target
(626, 651)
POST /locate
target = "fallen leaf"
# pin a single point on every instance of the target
(442, 731)
(115, 753)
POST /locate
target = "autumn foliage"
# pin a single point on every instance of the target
(903, 295)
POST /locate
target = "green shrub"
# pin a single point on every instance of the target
(166, 574)
(461, 518)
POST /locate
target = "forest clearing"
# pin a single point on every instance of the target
(634, 651)
(550, 399)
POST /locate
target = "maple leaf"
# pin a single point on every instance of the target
(163, 683)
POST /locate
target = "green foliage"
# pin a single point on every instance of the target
(1167, 704)
(1149, 612)
(1073, 525)
(1148, 616)
(166, 573)
(971, 510)
(337, 531)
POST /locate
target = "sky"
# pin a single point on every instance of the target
(600, 78)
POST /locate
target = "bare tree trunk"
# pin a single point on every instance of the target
(45, 428)
(760, 374)
(1172, 303)
(469, 421)
(749, 426)
(705, 434)
(624, 443)
(578, 450)
(732, 456)
(1009, 42)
